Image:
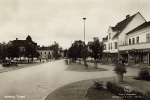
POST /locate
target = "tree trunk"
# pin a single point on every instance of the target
(28, 60)
(79, 61)
(95, 64)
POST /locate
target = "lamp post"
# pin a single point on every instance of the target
(84, 28)
(84, 19)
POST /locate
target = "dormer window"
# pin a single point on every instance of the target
(109, 35)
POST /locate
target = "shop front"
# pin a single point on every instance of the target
(110, 57)
(135, 56)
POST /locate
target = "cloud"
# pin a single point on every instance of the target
(61, 20)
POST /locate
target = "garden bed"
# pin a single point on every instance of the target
(104, 94)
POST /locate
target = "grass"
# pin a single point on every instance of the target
(81, 68)
(95, 94)
(82, 89)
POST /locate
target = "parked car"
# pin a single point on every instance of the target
(8, 63)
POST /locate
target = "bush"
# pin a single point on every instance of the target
(119, 68)
(119, 91)
(98, 85)
(144, 74)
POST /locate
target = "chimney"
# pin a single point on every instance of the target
(127, 16)
(16, 38)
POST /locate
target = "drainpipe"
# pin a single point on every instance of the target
(118, 48)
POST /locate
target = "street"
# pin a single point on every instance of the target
(35, 83)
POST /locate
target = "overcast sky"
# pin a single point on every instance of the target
(47, 21)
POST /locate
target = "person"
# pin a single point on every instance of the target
(40, 59)
(135, 60)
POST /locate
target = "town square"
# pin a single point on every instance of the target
(74, 50)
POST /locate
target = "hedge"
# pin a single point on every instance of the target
(119, 91)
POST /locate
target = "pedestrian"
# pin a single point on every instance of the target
(40, 59)
(135, 60)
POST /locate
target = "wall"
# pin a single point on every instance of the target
(113, 50)
(136, 21)
(43, 55)
(141, 33)
(142, 40)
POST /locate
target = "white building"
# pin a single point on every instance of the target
(138, 44)
(45, 52)
(116, 36)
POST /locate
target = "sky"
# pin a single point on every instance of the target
(47, 21)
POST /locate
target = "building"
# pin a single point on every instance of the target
(45, 52)
(138, 44)
(116, 36)
(22, 44)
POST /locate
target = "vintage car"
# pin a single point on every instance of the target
(8, 63)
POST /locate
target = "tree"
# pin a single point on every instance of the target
(97, 49)
(55, 48)
(65, 53)
(3, 51)
(30, 51)
(75, 51)
(12, 50)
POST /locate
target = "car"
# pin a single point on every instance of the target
(8, 63)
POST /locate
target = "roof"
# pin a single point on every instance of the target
(122, 24)
(21, 43)
(115, 28)
(106, 38)
(142, 26)
(44, 48)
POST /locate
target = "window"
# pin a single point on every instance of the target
(109, 35)
(147, 37)
(45, 52)
(49, 53)
(41, 52)
(137, 39)
(111, 45)
(129, 41)
(115, 45)
(133, 41)
(104, 46)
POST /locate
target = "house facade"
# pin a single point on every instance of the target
(110, 45)
(45, 52)
(138, 44)
(23, 44)
(116, 36)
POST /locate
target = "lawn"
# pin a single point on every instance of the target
(83, 89)
(81, 68)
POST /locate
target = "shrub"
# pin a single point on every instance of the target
(98, 85)
(119, 91)
(144, 74)
(119, 68)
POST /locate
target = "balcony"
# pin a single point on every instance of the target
(143, 45)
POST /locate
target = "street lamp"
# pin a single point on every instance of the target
(84, 41)
(84, 28)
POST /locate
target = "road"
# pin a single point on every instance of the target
(36, 82)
